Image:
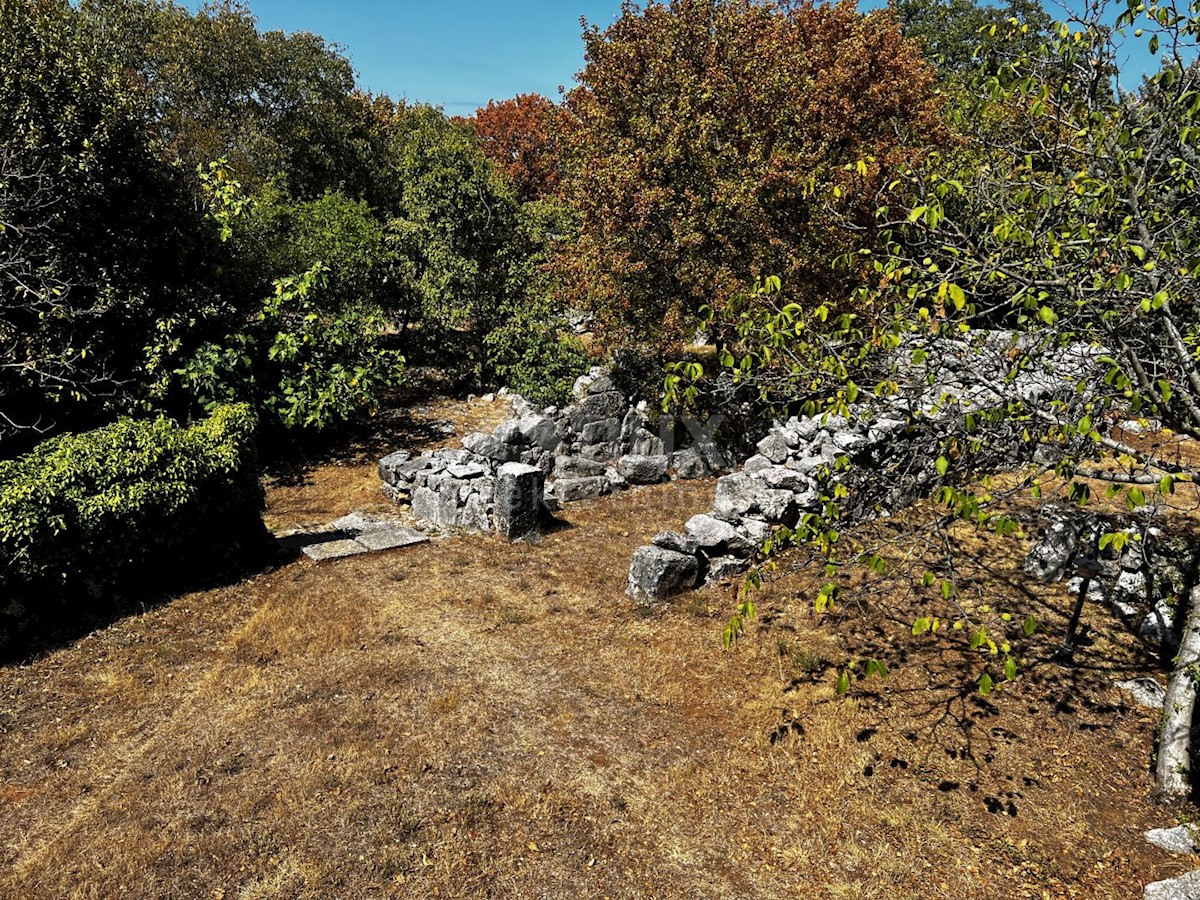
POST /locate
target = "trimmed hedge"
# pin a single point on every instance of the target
(129, 508)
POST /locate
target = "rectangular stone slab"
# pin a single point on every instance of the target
(390, 538)
(333, 549)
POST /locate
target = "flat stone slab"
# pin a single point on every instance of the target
(1173, 840)
(1145, 691)
(337, 549)
(1185, 887)
(391, 538)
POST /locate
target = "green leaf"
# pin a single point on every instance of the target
(1029, 626)
(986, 685)
(843, 683)
(942, 465)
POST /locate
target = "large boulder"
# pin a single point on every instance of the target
(643, 469)
(717, 538)
(1050, 556)
(570, 490)
(518, 503)
(488, 447)
(657, 573)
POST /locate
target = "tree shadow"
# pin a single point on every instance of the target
(51, 623)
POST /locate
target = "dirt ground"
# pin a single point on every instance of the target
(471, 718)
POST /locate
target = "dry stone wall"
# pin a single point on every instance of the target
(883, 452)
(537, 459)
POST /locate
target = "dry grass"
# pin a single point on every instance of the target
(472, 718)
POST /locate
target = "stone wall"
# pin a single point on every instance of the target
(598, 444)
(883, 452)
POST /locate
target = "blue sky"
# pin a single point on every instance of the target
(458, 54)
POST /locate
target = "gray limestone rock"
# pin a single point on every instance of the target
(689, 464)
(488, 447)
(594, 407)
(643, 469)
(1159, 626)
(391, 538)
(735, 497)
(616, 480)
(601, 384)
(673, 540)
(1174, 840)
(540, 431)
(466, 471)
(755, 464)
(1185, 887)
(602, 431)
(518, 502)
(716, 537)
(337, 549)
(774, 447)
(601, 452)
(723, 567)
(1145, 691)
(657, 573)
(785, 479)
(570, 490)
(508, 432)
(1051, 555)
(577, 467)
(646, 444)
(390, 468)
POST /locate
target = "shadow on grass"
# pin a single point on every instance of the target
(47, 623)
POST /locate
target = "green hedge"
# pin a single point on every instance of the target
(130, 508)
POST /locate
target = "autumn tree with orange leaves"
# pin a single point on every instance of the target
(700, 137)
(517, 135)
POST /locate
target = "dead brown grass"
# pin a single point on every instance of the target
(479, 719)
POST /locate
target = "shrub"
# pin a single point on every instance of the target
(136, 503)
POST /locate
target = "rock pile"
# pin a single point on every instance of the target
(1140, 584)
(884, 452)
(597, 444)
(775, 487)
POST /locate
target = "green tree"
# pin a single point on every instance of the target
(99, 239)
(1075, 237)
(960, 36)
(270, 103)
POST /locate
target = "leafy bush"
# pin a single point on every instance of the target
(135, 503)
(304, 365)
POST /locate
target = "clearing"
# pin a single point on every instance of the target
(471, 718)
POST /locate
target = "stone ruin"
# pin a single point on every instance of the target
(537, 459)
(882, 452)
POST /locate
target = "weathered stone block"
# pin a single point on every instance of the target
(755, 464)
(577, 467)
(389, 468)
(518, 503)
(488, 447)
(540, 431)
(673, 540)
(657, 573)
(594, 407)
(643, 469)
(570, 490)
(716, 537)
(601, 452)
(689, 464)
(602, 432)
(774, 447)
(723, 567)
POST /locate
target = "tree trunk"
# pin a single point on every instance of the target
(1175, 744)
